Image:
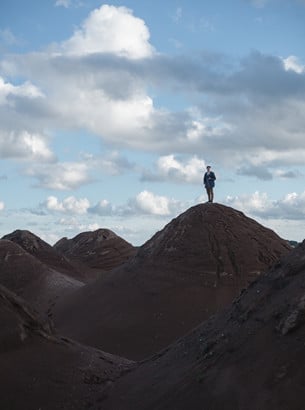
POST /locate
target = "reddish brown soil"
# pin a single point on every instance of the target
(100, 251)
(42, 274)
(249, 357)
(45, 253)
(191, 269)
(28, 277)
(40, 370)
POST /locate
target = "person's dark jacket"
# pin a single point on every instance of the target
(209, 179)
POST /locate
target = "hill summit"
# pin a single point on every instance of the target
(216, 242)
(101, 249)
(191, 269)
(42, 251)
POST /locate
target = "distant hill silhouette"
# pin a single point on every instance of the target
(40, 370)
(248, 357)
(191, 269)
(100, 250)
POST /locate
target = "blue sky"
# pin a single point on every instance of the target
(110, 112)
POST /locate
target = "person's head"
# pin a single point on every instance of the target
(208, 168)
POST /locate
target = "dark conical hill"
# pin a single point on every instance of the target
(214, 241)
(44, 252)
(191, 269)
(100, 250)
(27, 276)
(18, 268)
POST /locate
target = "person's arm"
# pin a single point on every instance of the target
(212, 176)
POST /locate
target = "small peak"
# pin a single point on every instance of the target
(26, 240)
(99, 249)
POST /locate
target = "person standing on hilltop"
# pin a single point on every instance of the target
(209, 183)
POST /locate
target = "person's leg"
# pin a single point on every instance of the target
(211, 195)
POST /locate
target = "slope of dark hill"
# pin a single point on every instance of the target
(18, 269)
(248, 357)
(101, 250)
(40, 370)
(28, 277)
(44, 252)
(191, 269)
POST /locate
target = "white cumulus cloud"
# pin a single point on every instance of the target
(171, 168)
(144, 203)
(290, 207)
(98, 81)
(111, 29)
(26, 89)
(149, 203)
(257, 203)
(292, 63)
(60, 176)
(24, 145)
(103, 208)
(69, 205)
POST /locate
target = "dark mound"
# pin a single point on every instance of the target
(40, 370)
(192, 268)
(101, 250)
(18, 269)
(248, 357)
(44, 252)
(28, 277)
